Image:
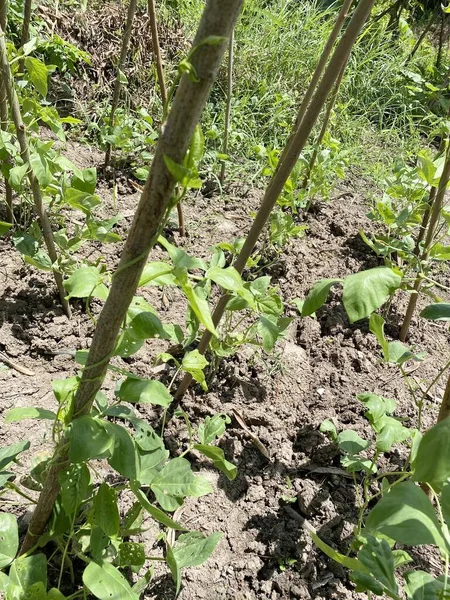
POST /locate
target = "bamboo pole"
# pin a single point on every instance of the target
(4, 117)
(226, 134)
(34, 184)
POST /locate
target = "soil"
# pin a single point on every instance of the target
(314, 374)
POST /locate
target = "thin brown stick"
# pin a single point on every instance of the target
(226, 133)
(25, 29)
(122, 58)
(444, 410)
(219, 18)
(306, 119)
(34, 184)
(4, 119)
(432, 225)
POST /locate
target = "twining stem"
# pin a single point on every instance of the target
(4, 115)
(118, 83)
(218, 20)
(432, 225)
(162, 86)
(226, 133)
(326, 120)
(25, 154)
(305, 121)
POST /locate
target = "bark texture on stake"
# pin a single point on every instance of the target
(122, 58)
(432, 225)
(304, 124)
(219, 18)
(162, 86)
(34, 184)
(4, 113)
(25, 29)
(226, 133)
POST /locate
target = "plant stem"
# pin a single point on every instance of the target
(118, 85)
(306, 119)
(4, 114)
(25, 29)
(219, 18)
(432, 225)
(226, 133)
(25, 154)
(444, 410)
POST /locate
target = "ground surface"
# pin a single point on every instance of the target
(315, 374)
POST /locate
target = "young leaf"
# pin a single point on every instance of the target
(269, 331)
(228, 278)
(436, 312)
(157, 273)
(29, 412)
(218, 457)
(89, 439)
(144, 391)
(193, 548)
(106, 583)
(38, 74)
(318, 296)
(194, 363)
(376, 326)
(328, 426)
(377, 556)
(9, 453)
(155, 512)
(124, 455)
(406, 515)
(131, 554)
(212, 428)
(74, 484)
(399, 353)
(350, 442)
(9, 539)
(85, 282)
(423, 586)
(106, 510)
(26, 571)
(436, 444)
(366, 291)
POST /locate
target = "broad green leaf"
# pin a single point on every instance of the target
(144, 391)
(151, 463)
(29, 412)
(107, 583)
(228, 278)
(5, 227)
(318, 296)
(212, 428)
(106, 510)
(328, 426)
(86, 282)
(346, 561)
(269, 332)
(354, 463)
(9, 453)
(82, 201)
(194, 363)
(147, 325)
(131, 554)
(85, 180)
(74, 484)
(17, 175)
(377, 407)
(423, 586)
(436, 444)
(38, 74)
(401, 557)
(4, 581)
(124, 454)
(366, 583)
(9, 539)
(154, 511)
(406, 515)
(399, 353)
(377, 556)
(89, 439)
(437, 312)
(157, 273)
(391, 432)
(180, 258)
(176, 479)
(193, 548)
(25, 571)
(376, 326)
(426, 168)
(55, 594)
(40, 168)
(197, 302)
(218, 457)
(366, 291)
(351, 443)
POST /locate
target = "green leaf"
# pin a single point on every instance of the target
(426, 169)
(212, 428)
(377, 556)
(185, 176)
(436, 444)
(180, 258)
(106, 583)
(5, 227)
(177, 480)
(157, 273)
(86, 282)
(399, 353)
(29, 412)
(350, 442)
(26, 571)
(9, 453)
(423, 586)
(197, 302)
(228, 278)
(317, 296)
(366, 583)
(328, 426)
(353, 464)
(131, 554)
(85, 180)
(196, 148)
(193, 548)
(406, 515)
(17, 176)
(366, 291)
(144, 391)
(151, 463)
(38, 74)
(445, 502)
(269, 332)
(218, 457)
(437, 312)
(55, 594)
(82, 201)
(124, 455)
(174, 569)
(106, 511)
(194, 363)
(74, 484)
(391, 432)
(376, 326)
(4, 581)
(346, 561)
(39, 165)
(89, 439)
(401, 557)
(155, 512)
(9, 539)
